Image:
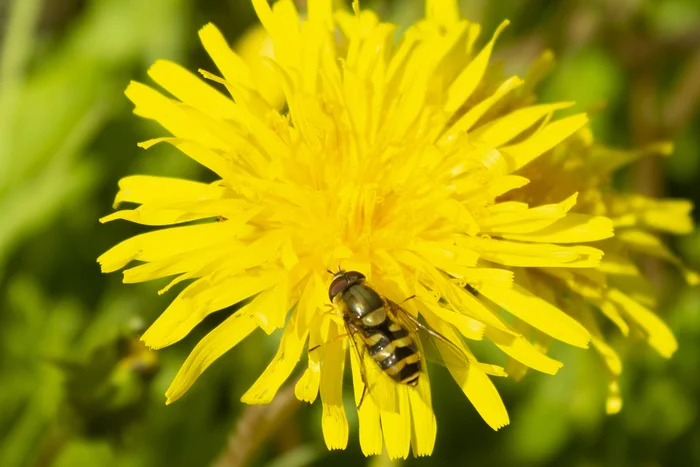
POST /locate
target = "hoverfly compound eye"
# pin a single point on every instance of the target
(339, 284)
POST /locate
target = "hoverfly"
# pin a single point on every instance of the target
(385, 330)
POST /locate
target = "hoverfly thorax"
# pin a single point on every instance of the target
(355, 298)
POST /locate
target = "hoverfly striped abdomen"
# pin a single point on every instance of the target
(365, 313)
(394, 350)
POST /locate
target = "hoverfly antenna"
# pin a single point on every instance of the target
(330, 272)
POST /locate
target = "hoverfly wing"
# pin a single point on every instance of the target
(375, 384)
(436, 347)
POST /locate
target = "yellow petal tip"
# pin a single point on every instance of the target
(170, 397)
(207, 27)
(503, 424)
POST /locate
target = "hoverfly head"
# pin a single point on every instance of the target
(342, 281)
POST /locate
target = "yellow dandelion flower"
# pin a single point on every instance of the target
(394, 159)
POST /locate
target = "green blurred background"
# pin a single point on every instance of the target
(76, 389)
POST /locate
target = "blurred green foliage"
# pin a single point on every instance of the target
(76, 388)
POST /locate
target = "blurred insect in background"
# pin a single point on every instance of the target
(387, 333)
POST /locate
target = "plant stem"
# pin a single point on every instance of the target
(255, 426)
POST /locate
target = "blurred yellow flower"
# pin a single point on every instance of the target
(409, 163)
(616, 287)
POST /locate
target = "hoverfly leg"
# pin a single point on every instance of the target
(352, 329)
(409, 298)
(364, 391)
(330, 310)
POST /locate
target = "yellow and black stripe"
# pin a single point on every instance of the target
(392, 347)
